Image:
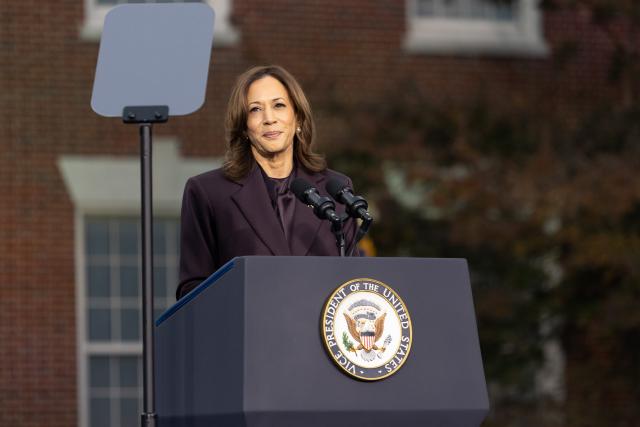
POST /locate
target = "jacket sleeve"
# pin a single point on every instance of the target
(198, 243)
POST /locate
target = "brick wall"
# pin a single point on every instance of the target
(346, 51)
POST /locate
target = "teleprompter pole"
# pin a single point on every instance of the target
(144, 68)
(145, 117)
(148, 417)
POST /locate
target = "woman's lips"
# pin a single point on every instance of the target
(271, 135)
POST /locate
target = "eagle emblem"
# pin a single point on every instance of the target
(365, 322)
(357, 317)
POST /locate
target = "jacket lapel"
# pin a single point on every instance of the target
(305, 223)
(255, 205)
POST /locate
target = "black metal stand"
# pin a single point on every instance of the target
(145, 117)
(362, 230)
(149, 417)
(336, 228)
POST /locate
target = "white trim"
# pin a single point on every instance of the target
(224, 33)
(110, 185)
(521, 37)
(94, 15)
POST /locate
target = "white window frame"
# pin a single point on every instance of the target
(110, 186)
(436, 35)
(224, 34)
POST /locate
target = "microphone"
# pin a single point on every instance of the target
(323, 207)
(356, 206)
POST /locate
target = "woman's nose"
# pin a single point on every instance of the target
(269, 116)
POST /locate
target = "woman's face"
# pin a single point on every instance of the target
(271, 120)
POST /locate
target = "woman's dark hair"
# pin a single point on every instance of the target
(238, 157)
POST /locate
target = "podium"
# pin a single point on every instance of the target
(245, 348)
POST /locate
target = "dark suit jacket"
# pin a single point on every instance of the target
(222, 219)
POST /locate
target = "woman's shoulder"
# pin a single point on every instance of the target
(211, 181)
(215, 175)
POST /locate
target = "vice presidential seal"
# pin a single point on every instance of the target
(367, 329)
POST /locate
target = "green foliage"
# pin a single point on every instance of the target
(348, 344)
(543, 199)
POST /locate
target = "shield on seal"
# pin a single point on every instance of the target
(367, 339)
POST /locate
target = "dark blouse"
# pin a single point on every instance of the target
(282, 199)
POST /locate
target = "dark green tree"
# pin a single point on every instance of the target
(543, 198)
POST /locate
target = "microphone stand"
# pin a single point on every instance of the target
(322, 207)
(362, 230)
(336, 229)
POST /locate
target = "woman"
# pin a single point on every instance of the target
(246, 208)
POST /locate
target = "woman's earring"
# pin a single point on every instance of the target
(298, 129)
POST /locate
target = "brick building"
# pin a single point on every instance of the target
(69, 328)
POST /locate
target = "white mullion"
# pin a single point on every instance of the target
(129, 303)
(114, 266)
(82, 380)
(100, 392)
(129, 392)
(115, 348)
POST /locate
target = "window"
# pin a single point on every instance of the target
(105, 191)
(113, 317)
(507, 27)
(96, 10)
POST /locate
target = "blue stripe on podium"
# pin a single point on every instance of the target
(194, 293)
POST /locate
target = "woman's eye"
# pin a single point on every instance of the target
(280, 105)
(254, 109)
